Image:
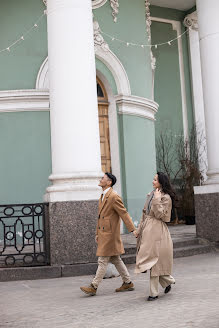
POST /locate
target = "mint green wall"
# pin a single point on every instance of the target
(19, 67)
(130, 27)
(167, 75)
(25, 156)
(138, 161)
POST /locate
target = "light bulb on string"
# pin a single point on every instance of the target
(142, 46)
(113, 39)
(8, 49)
(22, 38)
(155, 46)
(169, 43)
(35, 25)
(127, 44)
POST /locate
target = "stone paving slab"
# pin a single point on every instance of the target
(58, 303)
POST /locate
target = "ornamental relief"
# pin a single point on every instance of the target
(98, 3)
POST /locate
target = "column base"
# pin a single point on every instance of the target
(72, 232)
(207, 209)
(73, 187)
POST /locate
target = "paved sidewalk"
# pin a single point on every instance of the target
(192, 303)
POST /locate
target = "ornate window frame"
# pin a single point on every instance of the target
(98, 3)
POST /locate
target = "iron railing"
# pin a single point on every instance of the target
(23, 235)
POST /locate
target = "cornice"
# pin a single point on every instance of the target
(136, 106)
(24, 100)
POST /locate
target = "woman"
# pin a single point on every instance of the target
(154, 244)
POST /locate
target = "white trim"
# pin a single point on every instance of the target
(137, 106)
(206, 189)
(42, 81)
(98, 3)
(176, 25)
(24, 100)
(116, 68)
(113, 133)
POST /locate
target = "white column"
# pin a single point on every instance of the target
(76, 163)
(208, 22)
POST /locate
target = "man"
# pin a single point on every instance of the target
(108, 239)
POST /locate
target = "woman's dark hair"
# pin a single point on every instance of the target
(166, 187)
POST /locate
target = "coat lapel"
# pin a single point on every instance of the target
(101, 204)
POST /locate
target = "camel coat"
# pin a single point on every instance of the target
(154, 244)
(108, 225)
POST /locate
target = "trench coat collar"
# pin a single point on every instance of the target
(101, 204)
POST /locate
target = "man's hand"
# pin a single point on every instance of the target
(135, 233)
(96, 239)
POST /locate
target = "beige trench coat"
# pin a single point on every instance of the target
(155, 246)
(108, 225)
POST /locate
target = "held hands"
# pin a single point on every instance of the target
(135, 233)
(157, 194)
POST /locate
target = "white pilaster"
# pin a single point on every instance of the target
(208, 22)
(76, 163)
(191, 22)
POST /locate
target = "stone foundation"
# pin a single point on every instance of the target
(207, 215)
(71, 231)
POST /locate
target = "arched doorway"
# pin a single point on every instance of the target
(103, 107)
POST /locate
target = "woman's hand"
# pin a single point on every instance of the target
(157, 194)
(135, 233)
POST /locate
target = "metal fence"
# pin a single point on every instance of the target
(23, 235)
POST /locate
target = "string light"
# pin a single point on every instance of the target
(144, 45)
(24, 34)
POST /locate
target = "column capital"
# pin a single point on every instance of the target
(191, 21)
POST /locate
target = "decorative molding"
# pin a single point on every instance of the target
(98, 38)
(148, 19)
(98, 3)
(45, 2)
(153, 61)
(176, 25)
(191, 21)
(24, 100)
(137, 106)
(42, 81)
(115, 7)
(206, 189)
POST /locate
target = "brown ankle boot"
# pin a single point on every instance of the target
(90, 290)
(125, 287)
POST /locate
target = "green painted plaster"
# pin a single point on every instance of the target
(130, 27)
(25, 156)
(167, 80)
(19, 67)
(138, 161)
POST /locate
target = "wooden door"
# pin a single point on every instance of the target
(104, 127)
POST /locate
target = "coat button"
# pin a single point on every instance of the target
(99, 227)
(103, 217)
(103, 228)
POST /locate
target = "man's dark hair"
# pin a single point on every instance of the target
(111, 177)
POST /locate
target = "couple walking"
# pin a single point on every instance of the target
(154, 243)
